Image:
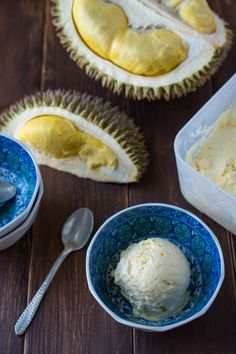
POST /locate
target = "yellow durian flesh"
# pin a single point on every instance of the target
(195, 13)
(99, 34)
(150, 56)
(104, 29)
(198, 15)
(60, 139)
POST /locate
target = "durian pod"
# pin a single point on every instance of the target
(78, 133)
(143, 48)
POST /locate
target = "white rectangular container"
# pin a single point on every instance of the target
(198, 190)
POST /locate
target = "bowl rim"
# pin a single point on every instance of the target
(22, 216)
(27, 220)
(15, 235)
(145, 327)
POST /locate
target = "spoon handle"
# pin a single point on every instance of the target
(28, 314)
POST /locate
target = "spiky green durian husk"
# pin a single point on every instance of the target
(94, 110)
(190, 84)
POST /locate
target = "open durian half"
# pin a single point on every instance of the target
(143, 48)
(78, 133)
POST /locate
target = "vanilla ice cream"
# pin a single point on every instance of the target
(154, 275)
(216, 158)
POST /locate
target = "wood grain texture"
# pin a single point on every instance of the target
(69, 320)
(162, 186)
(68, 312)
(21, 24)
(211, 333)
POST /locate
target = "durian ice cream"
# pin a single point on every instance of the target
(154, 276)
(216, 158)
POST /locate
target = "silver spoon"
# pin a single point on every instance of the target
(75, 234)
(7, 191)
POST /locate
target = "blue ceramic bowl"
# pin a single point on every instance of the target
(137, 223)
(19, 167)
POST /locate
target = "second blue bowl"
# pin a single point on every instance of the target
(139, 222)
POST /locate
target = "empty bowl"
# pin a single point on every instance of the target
(18, 167)
(140, 222)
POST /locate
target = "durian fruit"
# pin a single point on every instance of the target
(143, 48)
(78, 133)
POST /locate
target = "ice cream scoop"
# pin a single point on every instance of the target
(154, 275)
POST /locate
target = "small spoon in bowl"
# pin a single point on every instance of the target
(7, 191)
(75, 234)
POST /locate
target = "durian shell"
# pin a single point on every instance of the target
(93, 110)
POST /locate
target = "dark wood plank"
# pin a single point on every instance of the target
(68, 312)
(69, 319)
(161, 185)
(14, 265)
(208, 334)
(21, 24)
(225, 9)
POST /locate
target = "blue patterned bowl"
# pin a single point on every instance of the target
(19, 167)
(139, 222)
(12, 237)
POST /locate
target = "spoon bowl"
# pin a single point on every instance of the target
(7, 191)
(77, 229)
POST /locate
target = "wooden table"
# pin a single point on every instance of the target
(69, 320)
